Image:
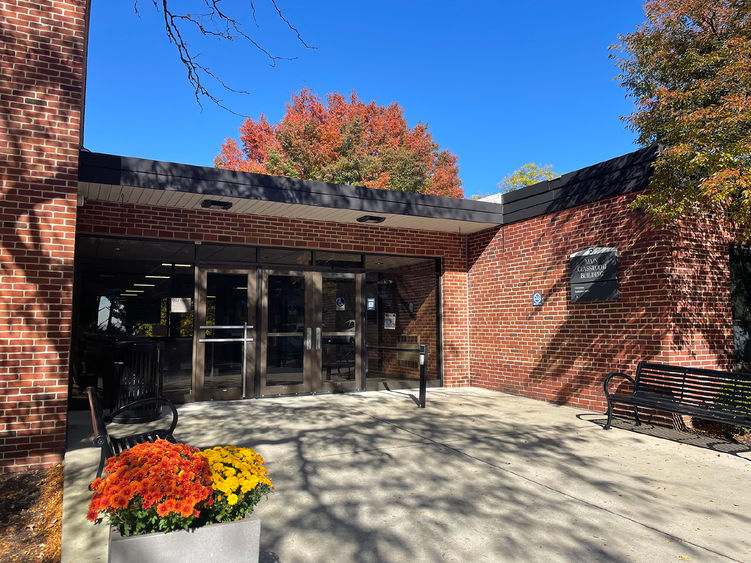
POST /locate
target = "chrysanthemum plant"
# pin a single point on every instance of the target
(161, 487)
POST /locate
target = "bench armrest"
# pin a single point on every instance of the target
(616, 374)
(143, 402)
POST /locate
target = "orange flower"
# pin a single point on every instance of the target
(160, 476)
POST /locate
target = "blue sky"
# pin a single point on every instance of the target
(500, 84)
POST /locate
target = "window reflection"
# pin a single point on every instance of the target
(128, 293)
(740, 294)
(401, 311)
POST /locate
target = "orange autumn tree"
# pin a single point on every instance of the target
(344, 141)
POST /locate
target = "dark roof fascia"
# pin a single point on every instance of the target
(116, 170)
(617, 176)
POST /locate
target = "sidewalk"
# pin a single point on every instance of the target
(477, 475)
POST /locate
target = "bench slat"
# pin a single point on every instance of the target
(703, 393)
(717, 414)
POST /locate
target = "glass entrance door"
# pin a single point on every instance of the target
(224, 348)
(285, 332)
(340, 315)
(310, 332)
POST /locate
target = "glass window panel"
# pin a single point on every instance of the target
(284, 256)
(107, 248)
(339, 358)
(338, 305)
(286, 304)
(223, 254)
(284, 360)
(223, 366)
(740, 295)
(401, 311)
(378, 262)
(226, 300)
(128, 301)
(338, 259)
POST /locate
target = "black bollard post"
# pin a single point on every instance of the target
(423, 377)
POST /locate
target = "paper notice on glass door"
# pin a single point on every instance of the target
(389, 321)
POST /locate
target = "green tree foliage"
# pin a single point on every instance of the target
(688, 69)
(526, 176)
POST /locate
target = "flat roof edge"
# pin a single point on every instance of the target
(101, 168)
(617, 176)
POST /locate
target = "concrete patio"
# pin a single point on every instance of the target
(475, 476)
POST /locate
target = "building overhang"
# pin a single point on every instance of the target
(125, 180)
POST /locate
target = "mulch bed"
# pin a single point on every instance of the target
(31, 515)
(719, 429)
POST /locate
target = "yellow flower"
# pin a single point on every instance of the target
(232, 499)
(235, 469)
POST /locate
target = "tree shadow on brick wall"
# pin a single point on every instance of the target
(673, 306)
(41, 97)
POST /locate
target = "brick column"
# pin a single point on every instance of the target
(41, 93)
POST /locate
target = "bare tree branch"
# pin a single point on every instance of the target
(217, 24)
(293, 28)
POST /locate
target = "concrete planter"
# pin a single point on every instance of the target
(230, 542)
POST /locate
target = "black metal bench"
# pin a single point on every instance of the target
(112, 445)
(720, 396)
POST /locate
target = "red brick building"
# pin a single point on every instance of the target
(323, 287)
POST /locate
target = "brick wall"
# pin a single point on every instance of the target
(215, 226)
(698, 287)
(674, 302)
(41, 82)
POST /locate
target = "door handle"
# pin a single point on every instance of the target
(318, 338)
(308, 338)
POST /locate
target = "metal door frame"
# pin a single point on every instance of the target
(199, 329)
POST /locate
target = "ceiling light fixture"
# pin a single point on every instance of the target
(157, 277)
(144, 285)
(216, 204)
(370, 219)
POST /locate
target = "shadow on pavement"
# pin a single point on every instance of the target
(715, 443)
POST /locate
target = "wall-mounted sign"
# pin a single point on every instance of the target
(537, 298)
(594, 275)
(181, 305)
(340, 305)
(371, 303)
(389, 321)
